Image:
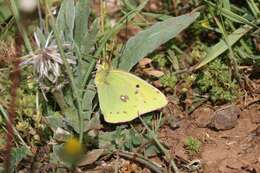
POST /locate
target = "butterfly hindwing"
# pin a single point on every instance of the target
(124, 96)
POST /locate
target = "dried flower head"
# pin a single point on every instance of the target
(47, 62)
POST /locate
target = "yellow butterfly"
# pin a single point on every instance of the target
(124, 96)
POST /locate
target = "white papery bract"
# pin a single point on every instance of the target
(47, 62)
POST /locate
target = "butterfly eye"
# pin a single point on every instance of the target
(137, 86)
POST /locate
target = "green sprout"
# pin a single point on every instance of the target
(192, 145)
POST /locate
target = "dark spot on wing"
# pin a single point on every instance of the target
(124, 98)
(117, 112)
(137, 86)
(144, 101)
(158, 92)
(124, 112)
(110, 112)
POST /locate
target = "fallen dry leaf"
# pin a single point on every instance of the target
(145, 61)
(153, 72)
(91, 157)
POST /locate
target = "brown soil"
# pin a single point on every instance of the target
(236, 150)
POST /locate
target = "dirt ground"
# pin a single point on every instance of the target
(230, 145)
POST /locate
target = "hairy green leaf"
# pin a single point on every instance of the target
(81, 20)
(65, 20)
(148, 40)
(17, 155)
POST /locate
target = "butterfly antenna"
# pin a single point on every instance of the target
(110, 57)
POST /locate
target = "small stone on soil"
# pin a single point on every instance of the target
(203, 116)
(225, 118)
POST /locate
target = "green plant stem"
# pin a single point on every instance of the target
(231, 53)
(15, 12)
(7, 28)
(102, 23)
(231, 15)
(69, 73)
(165, 152)
(252, 5)
(242, 42)
(59, 98)
(121, 23)
(89, 71)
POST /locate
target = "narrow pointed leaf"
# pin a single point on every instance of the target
(221, 46)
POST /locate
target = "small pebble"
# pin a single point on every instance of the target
(225, 118)
(203, 116)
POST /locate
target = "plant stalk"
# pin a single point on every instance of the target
(16, 15)
(165, 152)
(69, 73)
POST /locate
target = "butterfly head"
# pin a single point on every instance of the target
(103, 65)
(103, 68)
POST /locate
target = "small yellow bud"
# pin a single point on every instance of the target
(72, 147)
